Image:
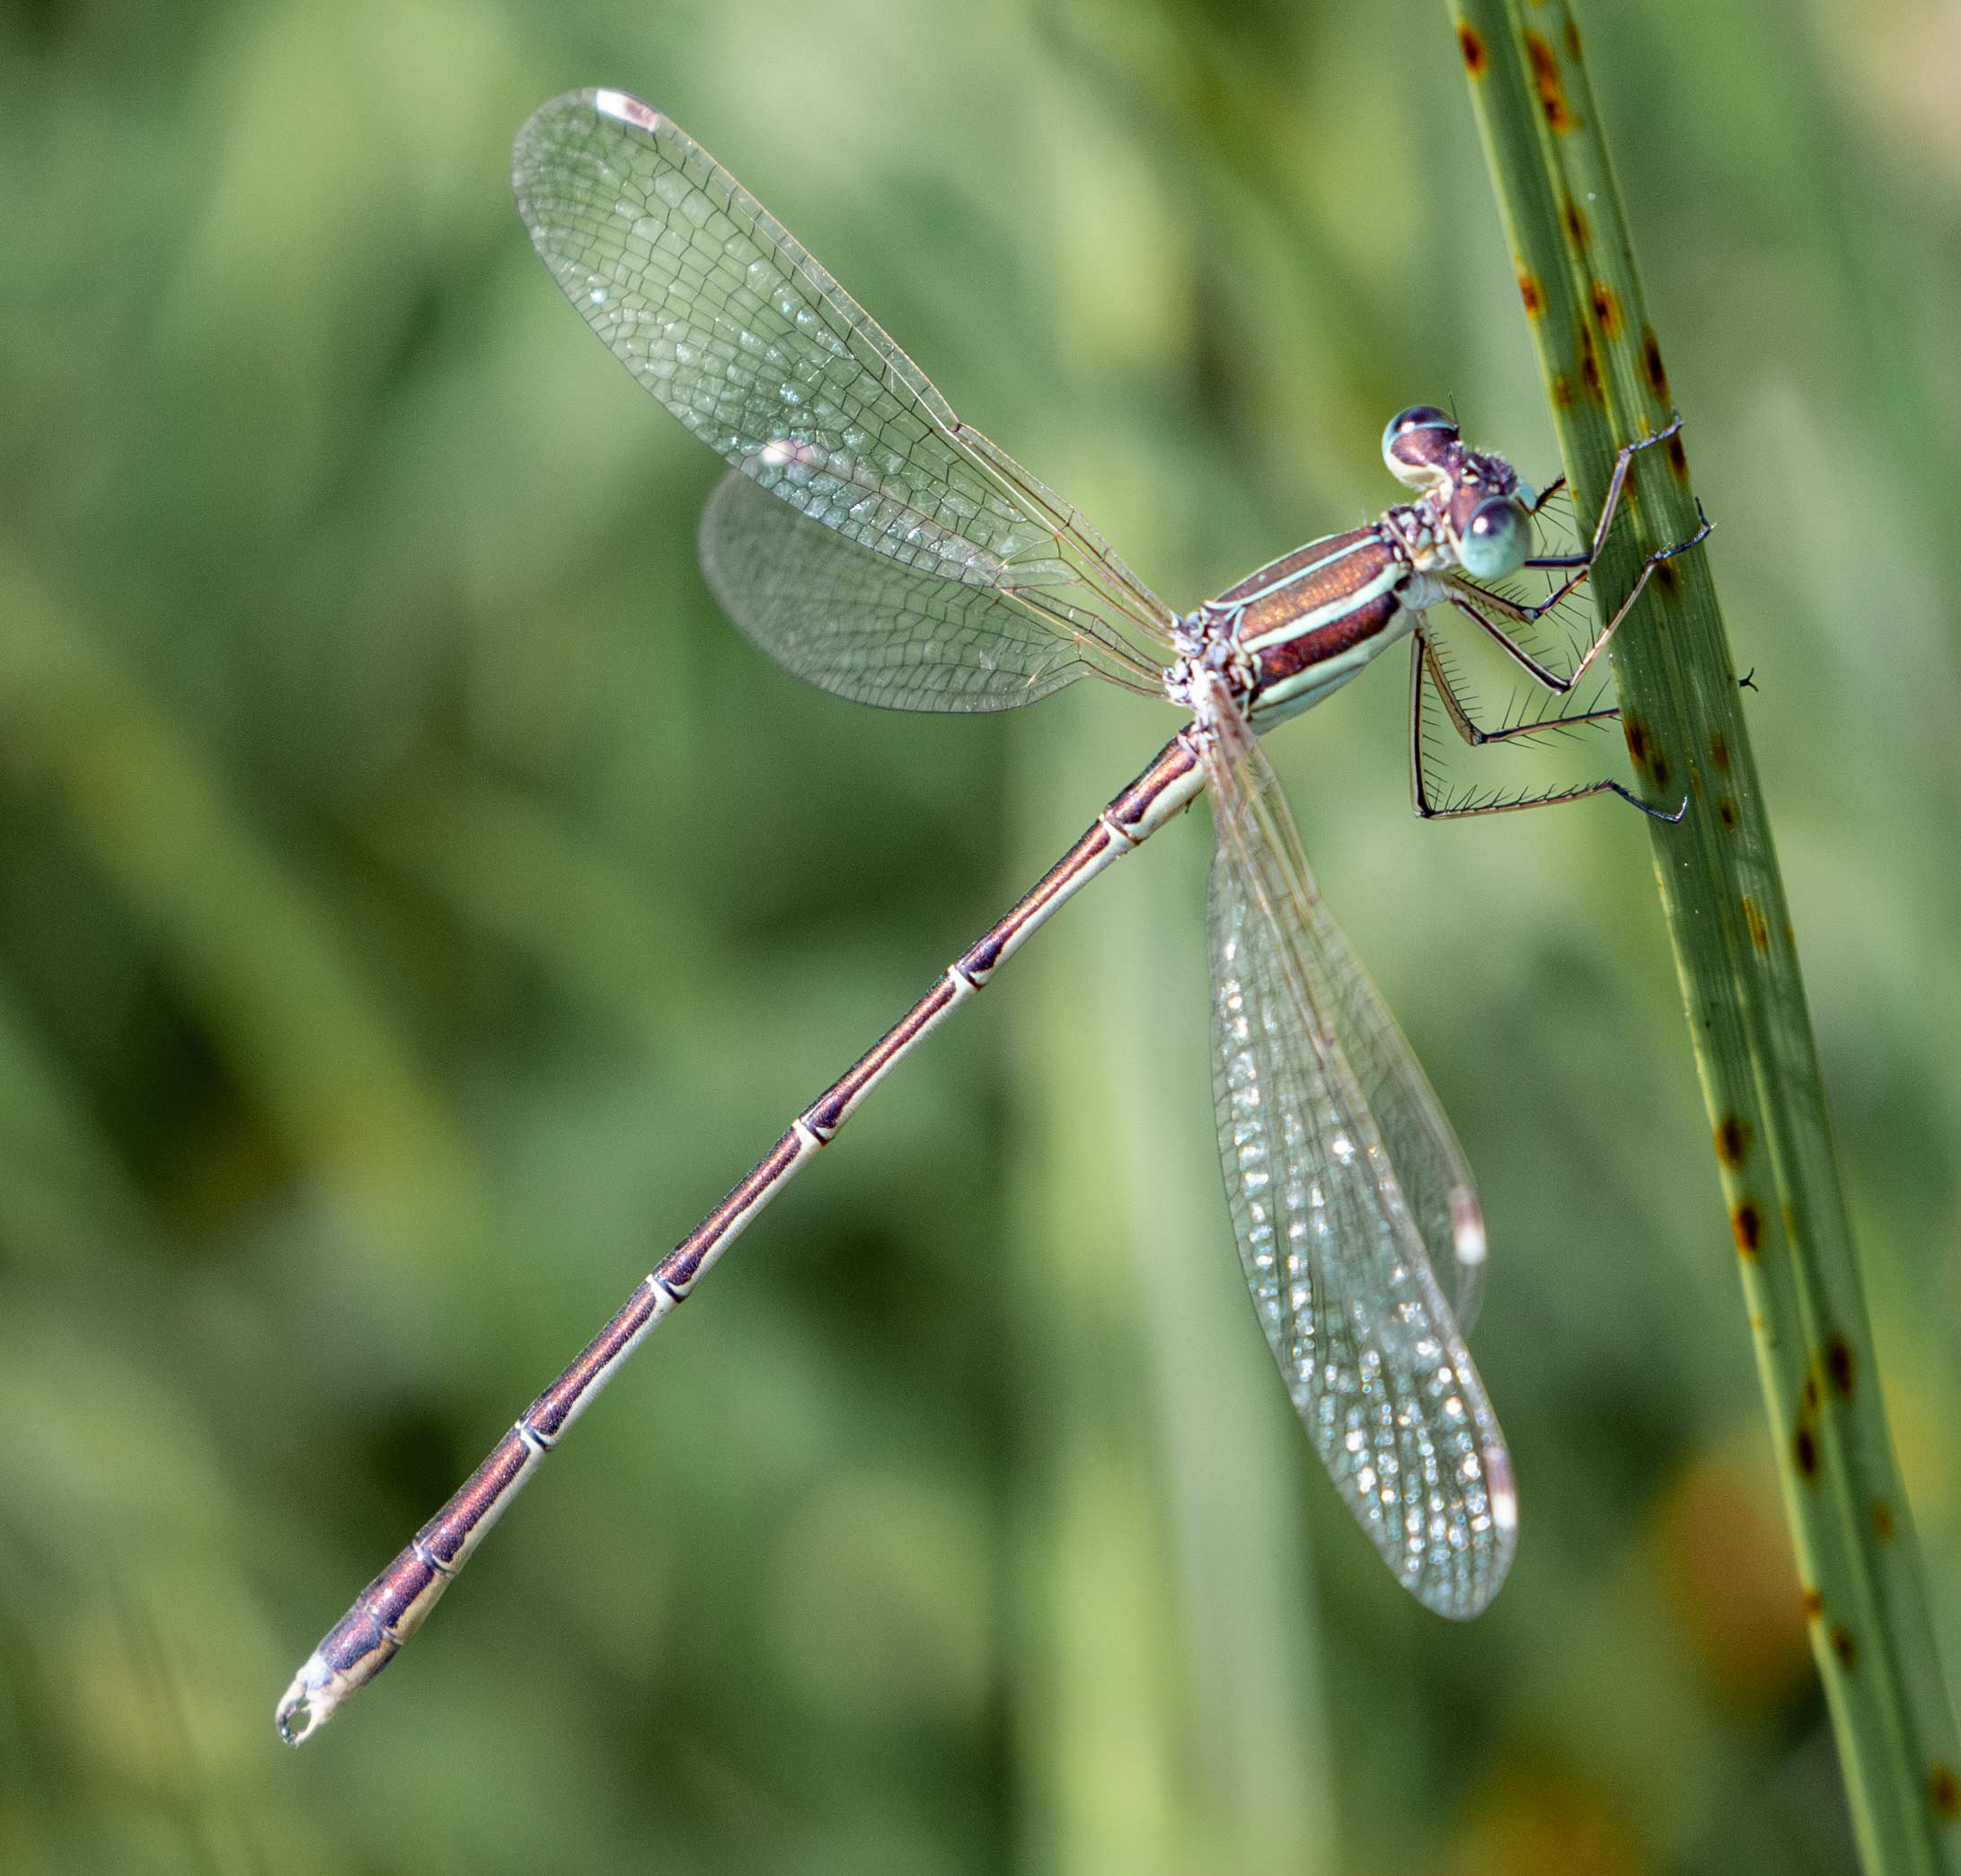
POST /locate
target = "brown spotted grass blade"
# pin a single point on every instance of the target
(1724, 900)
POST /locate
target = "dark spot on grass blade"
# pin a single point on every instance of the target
(1589, 357)
(1842, 1367)
(1606, 310)
(1657, 379)
(1545, 81)
(1746, 1223)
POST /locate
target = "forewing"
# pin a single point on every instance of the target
(1344, 1288)
(709, 302)
(866, 625)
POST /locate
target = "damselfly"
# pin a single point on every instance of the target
(878, 547)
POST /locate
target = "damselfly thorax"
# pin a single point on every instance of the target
(1302, 625)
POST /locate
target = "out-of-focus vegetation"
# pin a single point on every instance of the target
(416, 906)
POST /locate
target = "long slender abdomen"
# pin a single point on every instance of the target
(395, 1604)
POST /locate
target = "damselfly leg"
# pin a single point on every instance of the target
(1478, 603)
(1424, 661)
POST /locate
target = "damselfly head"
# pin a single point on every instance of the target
(1478, 498)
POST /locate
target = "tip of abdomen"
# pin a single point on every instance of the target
(338, 1669)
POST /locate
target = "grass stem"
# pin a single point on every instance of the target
(1722, 895)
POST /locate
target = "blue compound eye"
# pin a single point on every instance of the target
(1495, 540)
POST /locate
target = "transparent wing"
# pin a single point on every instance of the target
(867, 625)
(1319, 1179)
(1430, 1168)
(709, 302)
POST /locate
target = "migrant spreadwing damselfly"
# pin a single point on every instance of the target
(880, 548)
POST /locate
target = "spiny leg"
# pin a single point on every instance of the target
(1474, 733)
(1424, 658)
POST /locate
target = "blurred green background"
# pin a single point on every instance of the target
(417, 906)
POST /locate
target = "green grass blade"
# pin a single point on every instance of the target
(1734, 949)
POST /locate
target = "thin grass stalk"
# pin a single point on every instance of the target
(1723, 897)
